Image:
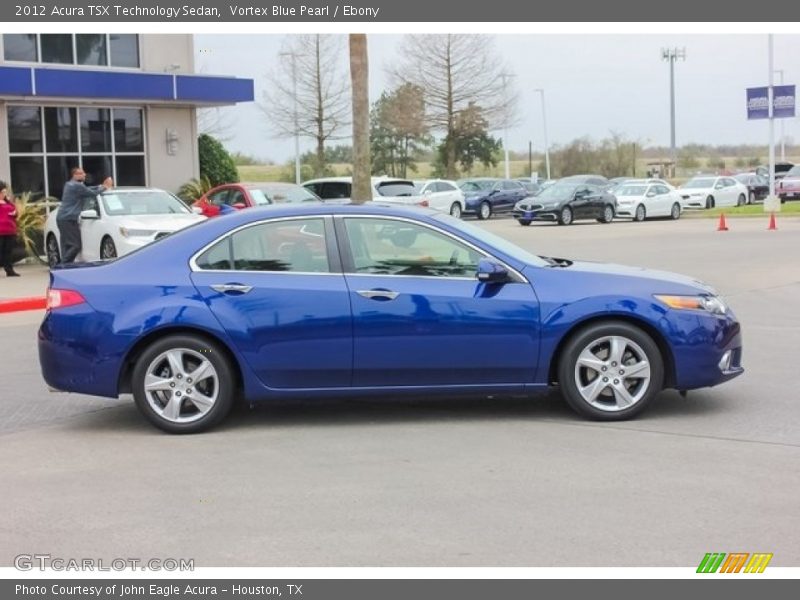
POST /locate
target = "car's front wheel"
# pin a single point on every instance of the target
(610, 371)
(53, 252)
(484, 211)
(524, 222)
(183, 384)
(565, 216)
(108, 249)
(455, 210)
(608, 215)
(675, 213)
(710, 202)
(641, 213)
(751, 198)
(740, 201)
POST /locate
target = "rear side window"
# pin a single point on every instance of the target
(279, 246)
(334, 190)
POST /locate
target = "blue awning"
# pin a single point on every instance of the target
(90, 84)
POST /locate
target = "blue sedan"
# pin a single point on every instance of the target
(316, 301)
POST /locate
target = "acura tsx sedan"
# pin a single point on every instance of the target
(309, 301)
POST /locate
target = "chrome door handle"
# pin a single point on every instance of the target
(378, 294)
(225, 288)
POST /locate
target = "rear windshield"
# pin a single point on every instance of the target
(396, 188)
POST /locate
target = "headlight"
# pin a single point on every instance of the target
(712, 304)
(549, 205)
(136, 232)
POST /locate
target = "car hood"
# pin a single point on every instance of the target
(640, 273)
(157, 222)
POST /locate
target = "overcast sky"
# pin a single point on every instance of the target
(593, 84)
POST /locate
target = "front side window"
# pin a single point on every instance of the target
(279, 246)
(392, 247)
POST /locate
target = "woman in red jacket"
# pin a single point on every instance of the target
(8, 230)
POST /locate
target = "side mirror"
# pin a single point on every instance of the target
(491, 272)
(90, 214)
(719, 186)
(651, 194)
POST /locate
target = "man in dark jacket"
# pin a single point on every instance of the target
(72, 198)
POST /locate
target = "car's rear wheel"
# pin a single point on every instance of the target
(710, 202)
(108, 248)
(455, 210)
(675, 213)
(484, 211)
(608, 215)
(565, 216)
(524, 222)
(610, 371)
(640, 214)
(751, 198)
(183, 384)
(53, 252)
(740, 200)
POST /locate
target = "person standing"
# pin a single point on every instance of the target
(72, 198)
(8, 230)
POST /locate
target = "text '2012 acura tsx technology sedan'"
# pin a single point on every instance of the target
(319, 300)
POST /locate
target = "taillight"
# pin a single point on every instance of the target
(63, 298)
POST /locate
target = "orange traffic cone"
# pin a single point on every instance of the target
(723, 226)
(772, 225)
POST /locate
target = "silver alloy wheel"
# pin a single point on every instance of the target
(608, 214)
(676, 211)
(53, 253)
(181, 385)
(640, 213)
(108, 249)
(566, 215)
(455, 210)
(612, 373)
(486, 210)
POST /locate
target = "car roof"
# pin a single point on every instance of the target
(343, 179)
(132, 189)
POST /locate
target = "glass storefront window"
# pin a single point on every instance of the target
(124, 50)
(90, 49)
(25, 129)
(128, 135)
(58, 168)
(130, 170)
(115, 49)
(27, 175)
(95, 130)
(56, 48)
(20, 46)
(60, 129)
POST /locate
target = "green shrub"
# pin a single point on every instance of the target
(216, 164)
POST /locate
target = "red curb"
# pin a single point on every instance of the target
(18, 304)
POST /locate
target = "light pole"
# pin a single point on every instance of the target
(671, 55)
(505, 77)
(297, 178)
(783, 143)
(544, 131)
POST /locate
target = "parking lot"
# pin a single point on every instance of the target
(495, 482)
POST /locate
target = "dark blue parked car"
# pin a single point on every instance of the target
(310, 301)
(485, 196)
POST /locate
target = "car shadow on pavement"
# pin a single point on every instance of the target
(387, 410)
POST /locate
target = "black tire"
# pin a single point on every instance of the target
(108, 249)
(565, 216)
(640, 214)
(741, 200)
(608, 214)
(581, 339)
(675, 213)
(751, 198)
(455, 210)
(524, 222)
(53, 252)
(710, 202)
(484, 211)
(226, 382)
(783, 199)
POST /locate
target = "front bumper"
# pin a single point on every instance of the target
(550, 214)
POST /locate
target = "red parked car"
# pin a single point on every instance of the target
(236, 196)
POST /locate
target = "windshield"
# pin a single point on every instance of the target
(743, 178)
(502, 244)
(558, 191)
(476, 186)
(119, 203)
(700, 182)
(396, 188)
(631, 190)
(280, 194)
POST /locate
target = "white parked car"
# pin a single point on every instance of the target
(709, 191)
(385, 190)
(640, 200)
(121, 220)
(442, 195)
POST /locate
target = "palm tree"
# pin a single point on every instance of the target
(359, 77)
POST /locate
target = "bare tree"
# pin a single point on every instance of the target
(214, 121)
(307, 94)
(359, 76)
(456, 70)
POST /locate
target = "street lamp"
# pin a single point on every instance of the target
(297, 178)
(505, 76)
(544, 129)
(783, 143)
(671, 55)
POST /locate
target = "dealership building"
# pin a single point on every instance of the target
(120, 105)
